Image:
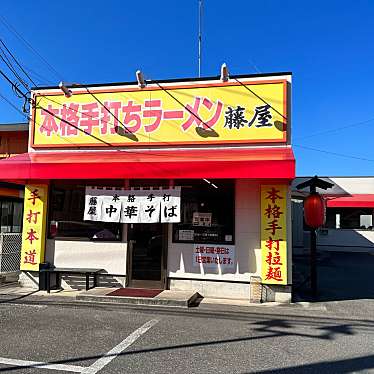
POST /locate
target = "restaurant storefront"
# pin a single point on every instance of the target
(179, 185)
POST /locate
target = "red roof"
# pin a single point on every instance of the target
(268, 163)
(352, 201)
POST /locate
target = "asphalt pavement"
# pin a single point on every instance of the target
(63, 336)
(341, 276)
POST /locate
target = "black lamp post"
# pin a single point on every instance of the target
(315, 208)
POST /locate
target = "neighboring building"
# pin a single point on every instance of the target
(186, 185)
(13, 141)
(349, 216)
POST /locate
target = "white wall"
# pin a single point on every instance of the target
(110, 256)
(355, 185)
(247, 242)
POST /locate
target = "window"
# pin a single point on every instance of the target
(207, 212)
(349, 218)
(11, 215)
(67, 209)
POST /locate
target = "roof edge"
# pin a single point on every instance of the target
(174, 80)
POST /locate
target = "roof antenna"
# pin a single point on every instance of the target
(200, 34)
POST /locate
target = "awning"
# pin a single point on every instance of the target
(259, 163)
(352, 201)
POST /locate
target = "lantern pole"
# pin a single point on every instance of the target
(313, 183)
(313, 263)
(313, 255)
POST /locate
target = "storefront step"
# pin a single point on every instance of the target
(183, 299)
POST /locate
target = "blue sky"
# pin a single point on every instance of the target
(327, 45)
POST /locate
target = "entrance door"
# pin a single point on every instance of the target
(147, 255)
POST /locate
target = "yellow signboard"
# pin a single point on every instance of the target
(34, 226)
(213, 113)
(274, 234)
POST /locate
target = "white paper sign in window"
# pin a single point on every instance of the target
(202, 219)
(214, 256)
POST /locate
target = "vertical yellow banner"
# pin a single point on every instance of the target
(34, 226)
(274, 234)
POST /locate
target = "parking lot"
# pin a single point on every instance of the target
(38, 338)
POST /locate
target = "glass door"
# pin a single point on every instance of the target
(147, 255)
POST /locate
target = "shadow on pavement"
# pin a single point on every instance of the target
(341, 276)
(18, 297)
(269, 328)
(351, 365)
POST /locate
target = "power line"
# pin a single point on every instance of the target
(152, 81)
(337, 129)
(162, 88)
(26, 116)
(20, 79)
(129, 132)
(108, 110)
(94, 96)
(76, 127)
(58, 75)
(333, 153)
(119, 150)
(254, 65)
(19, 65)
(23, 68)
(179, 102)
(14, 107)
(296, 145)
(51, 113)
(259, 97)
(12, 29)
(20, 37)
(14, 86)
(38, 76)
(61, 119)
(8, 63)
(109, 144)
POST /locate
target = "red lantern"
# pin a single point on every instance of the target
(314, 211)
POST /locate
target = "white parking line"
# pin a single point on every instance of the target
(113, 353)
(40, 365)
(96, 366)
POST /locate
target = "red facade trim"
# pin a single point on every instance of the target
(269, 163)
(353, 201)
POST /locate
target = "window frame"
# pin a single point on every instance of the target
(54, 186)
(213, 242)
(11, 200)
